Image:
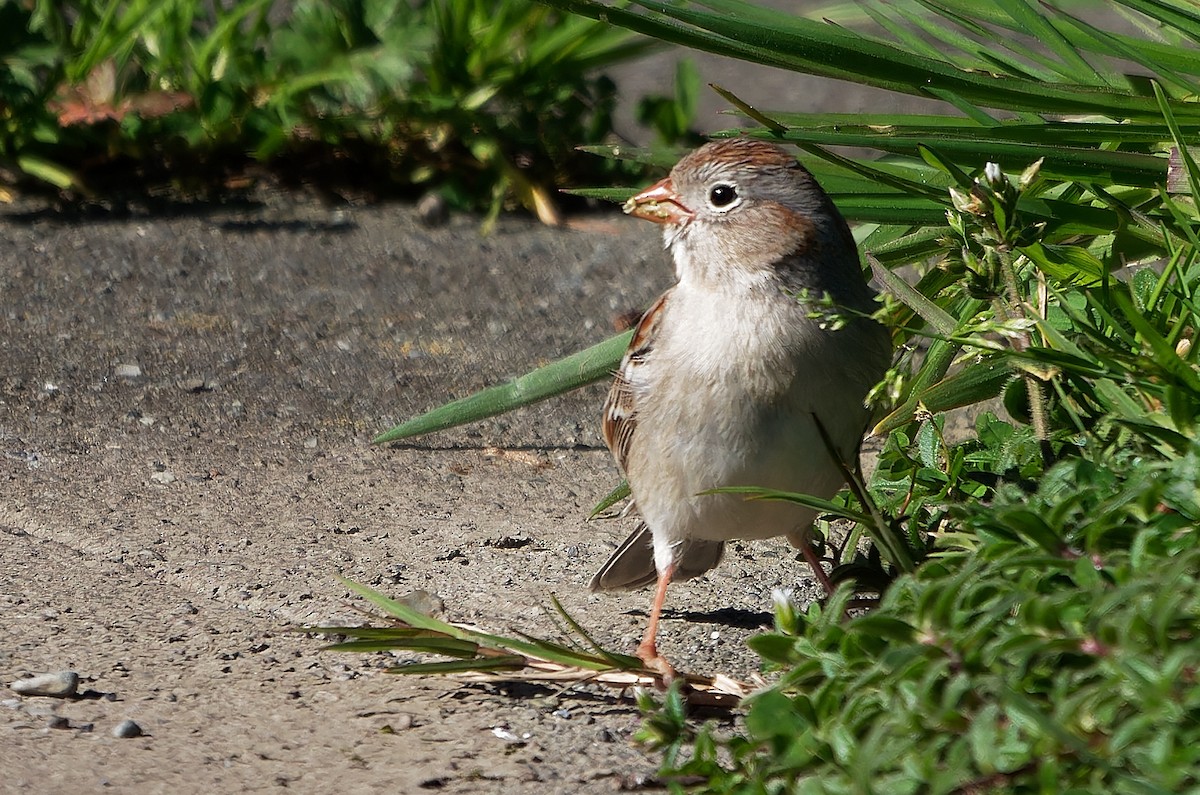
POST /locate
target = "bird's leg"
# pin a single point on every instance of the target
(648, 648)
(801, 539)
(812, 560)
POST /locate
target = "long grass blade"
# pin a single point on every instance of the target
(941, 320)
(580, 369)
(511, 662)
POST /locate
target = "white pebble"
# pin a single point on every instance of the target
(61, 684)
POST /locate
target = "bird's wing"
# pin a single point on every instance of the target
(620, 409)
(632, 565)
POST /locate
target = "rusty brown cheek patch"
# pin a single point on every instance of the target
(795, 235)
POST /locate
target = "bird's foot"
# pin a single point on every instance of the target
(656, 663)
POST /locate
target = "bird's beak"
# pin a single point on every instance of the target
(659, 203)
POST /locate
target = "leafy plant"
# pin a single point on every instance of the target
(1056, 654)
(479, 100)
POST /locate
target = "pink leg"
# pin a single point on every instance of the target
(648, 648)
(811, 558)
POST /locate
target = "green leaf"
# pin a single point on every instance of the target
(772, 648)
(613, 497)
(47, 171)
(1070, 264)
(975, 383)
(588, 366)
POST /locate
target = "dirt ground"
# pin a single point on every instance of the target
(186, 406)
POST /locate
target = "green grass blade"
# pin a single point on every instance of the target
(438, 637)
(909, 39)
(1176, 17)
(613, 497)
(1138, 54)
(749, 110)
(911, 188)
(808, 501)
(478, 664)
(616, 660)
(1165, 355)
(823, 49)
(1193, 174)
(393, 634)
(941, 320)
(664, 157)
(1075, 66)
(414, 618)
(970, 109)
(575, 657)
(450, 647)
(579, 369)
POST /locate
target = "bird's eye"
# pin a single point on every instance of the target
(722, 195)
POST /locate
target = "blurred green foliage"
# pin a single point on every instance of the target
(482, 101)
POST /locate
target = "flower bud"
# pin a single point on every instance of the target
(1030, 174)
(994, 176)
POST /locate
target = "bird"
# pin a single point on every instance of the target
(730, 378)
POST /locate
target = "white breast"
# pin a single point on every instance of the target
(727, 398)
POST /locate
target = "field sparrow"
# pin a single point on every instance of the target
(728, 372)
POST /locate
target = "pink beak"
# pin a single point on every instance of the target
(659, 203)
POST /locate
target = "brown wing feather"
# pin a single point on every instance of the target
(620, 409)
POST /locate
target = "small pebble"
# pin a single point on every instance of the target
(509, 542)
(163, 478)
(199, 385)
(127, 728)
(127, 371)
(425, 602)
(62, 684)
(433, 210)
